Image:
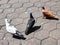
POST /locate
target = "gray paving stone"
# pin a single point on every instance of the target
(31, 42)
(55, 8)
(41, 21)
(37, 14)
(25, 21)
(20, 10)
(32, 9)
(58, 25)
(16, 5)
(13, 1)
(58, 42)
(49, 26)
(3, 42)
(27, 5)
(23, 1)
(21, 27)
(34, 1)
(9, 10)
(38, 4)
(8, 37)
(3, 29)
(45, 0)
(54, 0)
(1, 35)
(3, 1)
(4, 6)
(1, 10)
(24, 15)
(12, 15)
(2, 22)
(49, 41)
(50, 4)
(17, 21)
(55, 34)
(29, 36)
(41, 34)
(15, 42)
(2, 15)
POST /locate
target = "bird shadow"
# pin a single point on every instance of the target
(51, 18)
(16, 37)
(33, 29)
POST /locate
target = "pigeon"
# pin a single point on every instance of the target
(48, 14)
(11, 29)
(30, 24)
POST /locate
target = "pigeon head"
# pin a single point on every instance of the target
(43, 7)
(6, 19)
(31, 15)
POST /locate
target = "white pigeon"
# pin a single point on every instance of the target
(11, 29)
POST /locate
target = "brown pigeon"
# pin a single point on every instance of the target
(48, 13)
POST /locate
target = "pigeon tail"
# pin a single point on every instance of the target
(18, 35)
(31, 15)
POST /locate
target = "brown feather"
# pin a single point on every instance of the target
(48, 13)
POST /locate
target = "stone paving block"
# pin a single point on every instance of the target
(44, 1)
(54, 0)
(2, 15)
(58, 3)
(20, 10)
(3, 1)
(1, 10)
(8, 37)
(55, 34)
(23, 1)
(34, 1)
(21, 27)
(50, 3)
(25, 21)
(29, 36)
(31, 42)
(16, 5)
(13, 1)
(58, 25)
(27, 5)
(3, 42)
(38, 4)
(12, 15)
(15, 42)
(55, 8)
(41, 34)
(41, 21)
(49, 41)
(58, 13)
(9, 10)
(24, 15)
(17, 21)
(32, 9)
(3, 29)
(37, 14)
(2, 22)
(1, 35)
(59, 42)
(4, 6)
(49, 26)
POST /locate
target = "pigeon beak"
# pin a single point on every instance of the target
(43, 7)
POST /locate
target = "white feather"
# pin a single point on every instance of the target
(10, 28)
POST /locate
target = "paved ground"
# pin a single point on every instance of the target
(16, 10)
